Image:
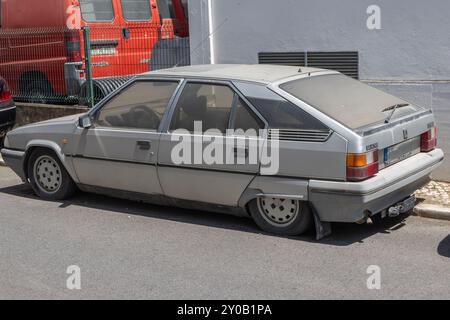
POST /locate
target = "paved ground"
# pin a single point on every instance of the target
(435, 193)
(132, 250)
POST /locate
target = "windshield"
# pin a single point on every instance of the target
(351, 102)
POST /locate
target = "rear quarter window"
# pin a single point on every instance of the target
(97, 10)
(278, 112)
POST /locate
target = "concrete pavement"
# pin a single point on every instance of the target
(131, 250)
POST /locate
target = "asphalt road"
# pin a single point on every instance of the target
(133, 250)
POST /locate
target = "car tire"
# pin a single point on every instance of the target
(286, 217)
(48, 177)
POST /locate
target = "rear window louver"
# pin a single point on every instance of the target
(346, 62)
(299, 135)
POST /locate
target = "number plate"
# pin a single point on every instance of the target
(401, 151)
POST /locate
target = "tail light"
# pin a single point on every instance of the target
(5, 93)
(361, 166)
(73, 47)
(428, 140)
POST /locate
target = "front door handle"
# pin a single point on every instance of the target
(126, 33)
(144, 145)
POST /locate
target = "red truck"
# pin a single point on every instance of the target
(42, 47)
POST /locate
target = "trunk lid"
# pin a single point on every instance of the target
(398, 140)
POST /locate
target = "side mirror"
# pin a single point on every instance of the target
(85, 121)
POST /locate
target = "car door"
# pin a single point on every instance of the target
(201, 175)
(120, 150)
(140, 26)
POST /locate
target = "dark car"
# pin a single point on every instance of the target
(7, 110)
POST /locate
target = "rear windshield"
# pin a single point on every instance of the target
(96, 10)
(136, 10)
(347, 100)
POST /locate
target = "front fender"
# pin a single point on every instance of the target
(40, 143)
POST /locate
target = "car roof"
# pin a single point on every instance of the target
(263, 73)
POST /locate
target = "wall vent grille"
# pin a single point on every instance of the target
(346, 62)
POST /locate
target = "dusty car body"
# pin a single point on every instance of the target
(346, 151)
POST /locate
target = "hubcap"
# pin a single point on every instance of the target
(47, 174)
(278, 211)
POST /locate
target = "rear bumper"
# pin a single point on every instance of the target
(352, 201)
(15, 160)
(72, 71)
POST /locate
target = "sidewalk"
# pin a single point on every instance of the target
(434, 201)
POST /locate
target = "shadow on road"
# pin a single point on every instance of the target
(444, 247)
(344, 234)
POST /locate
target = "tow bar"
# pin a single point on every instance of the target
(402, 207)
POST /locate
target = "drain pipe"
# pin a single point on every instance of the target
(211, 33)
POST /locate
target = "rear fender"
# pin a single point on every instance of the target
(272, 186)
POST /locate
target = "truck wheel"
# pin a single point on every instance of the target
(48, 177)
(39, 91)
(287, 217)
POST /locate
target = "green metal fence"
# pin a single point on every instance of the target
(82, 66)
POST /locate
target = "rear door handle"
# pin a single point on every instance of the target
(144, 144)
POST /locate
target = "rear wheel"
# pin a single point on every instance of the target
(48, 177)
(37, 90)
(288, 217)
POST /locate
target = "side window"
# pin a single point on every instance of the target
(278, 112)
(165, 8)
(210, 104)
(97, 10)
(136, 10)
(245, 119)
(140, 106)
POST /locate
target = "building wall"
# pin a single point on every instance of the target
(409, 56)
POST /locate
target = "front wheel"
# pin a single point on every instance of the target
(287, 217)
(48, 177)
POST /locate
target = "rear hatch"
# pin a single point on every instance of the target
(389, 124)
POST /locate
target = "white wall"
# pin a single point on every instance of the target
(413, 44)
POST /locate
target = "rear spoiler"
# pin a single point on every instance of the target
(377, 127)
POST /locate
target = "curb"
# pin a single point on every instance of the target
(432, 211)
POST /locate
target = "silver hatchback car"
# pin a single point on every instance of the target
(289, 147)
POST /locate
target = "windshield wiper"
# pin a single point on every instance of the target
(393, 108)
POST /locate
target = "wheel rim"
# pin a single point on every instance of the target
(47, 174)
(278, 211)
